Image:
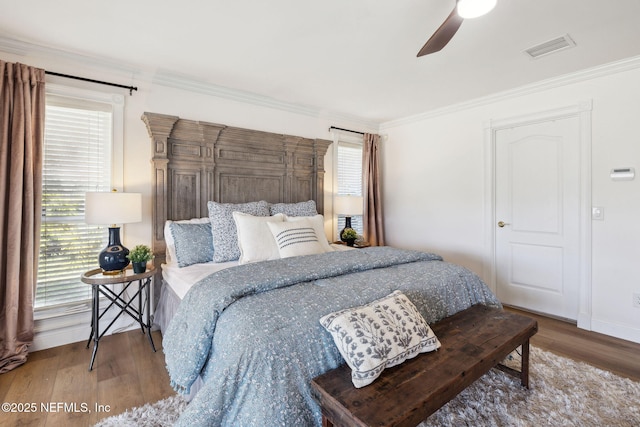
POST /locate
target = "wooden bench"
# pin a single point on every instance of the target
(473, 341)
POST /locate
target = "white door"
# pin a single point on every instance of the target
(538, 216)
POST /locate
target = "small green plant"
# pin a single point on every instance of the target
(141, 253)
(349, 233)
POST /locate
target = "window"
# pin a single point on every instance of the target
(78, 157)
(349, 177)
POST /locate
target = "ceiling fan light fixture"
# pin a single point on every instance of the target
(474, 8)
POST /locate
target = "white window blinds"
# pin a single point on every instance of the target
(350, 178)
(77, 159)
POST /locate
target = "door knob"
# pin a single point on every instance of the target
(502, 224)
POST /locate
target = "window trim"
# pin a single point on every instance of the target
(345, 139)
(117, 178)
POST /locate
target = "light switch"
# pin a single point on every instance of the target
(597, 213)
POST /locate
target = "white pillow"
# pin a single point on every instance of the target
(317, 222)
(170, 255)
(255, 240)
(296, 238)
(379, 335)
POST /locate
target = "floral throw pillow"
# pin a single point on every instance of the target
(381, 334)
(307, 208)
(223, 227)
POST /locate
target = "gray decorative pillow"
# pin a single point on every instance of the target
(168, 236)
(223, 227)
(307, 208)
(381, 334)
(193, 243)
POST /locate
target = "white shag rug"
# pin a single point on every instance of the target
(562, 393)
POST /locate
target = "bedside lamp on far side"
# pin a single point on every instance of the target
(113, 208)
(348, 206)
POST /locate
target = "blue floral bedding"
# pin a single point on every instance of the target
(253, 332)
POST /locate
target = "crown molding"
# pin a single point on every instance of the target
(579, 76)
(25, 48)
(169, 79)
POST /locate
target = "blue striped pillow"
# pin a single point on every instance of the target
(296, 238)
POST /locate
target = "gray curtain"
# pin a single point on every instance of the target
(22, 106)
(371, 182)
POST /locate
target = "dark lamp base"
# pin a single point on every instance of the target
(113, 258)
(347, 224)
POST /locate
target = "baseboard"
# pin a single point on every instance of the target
(616, 330)
(584, 321)
(54, 332)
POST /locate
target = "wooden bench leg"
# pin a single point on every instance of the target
(524, 368)
(523, 374)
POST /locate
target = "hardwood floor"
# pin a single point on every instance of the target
(565, 339)
(127, 373)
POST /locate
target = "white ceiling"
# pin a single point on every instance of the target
(353, 57)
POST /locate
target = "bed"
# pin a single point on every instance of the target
(242, 330)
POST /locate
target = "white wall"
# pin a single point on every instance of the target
(434, 184)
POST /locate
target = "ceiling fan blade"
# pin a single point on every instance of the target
(443, 34)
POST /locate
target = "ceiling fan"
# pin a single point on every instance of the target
(464, 9)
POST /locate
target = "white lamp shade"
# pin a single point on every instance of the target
(474, 8)
(348, 205)
(112, 208)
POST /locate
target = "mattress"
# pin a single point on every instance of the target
(180, 280)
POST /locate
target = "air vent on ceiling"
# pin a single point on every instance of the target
(559, 43)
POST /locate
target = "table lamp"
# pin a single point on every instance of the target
(348, 206)
(113, 208)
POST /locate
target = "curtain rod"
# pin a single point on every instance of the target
(346, 130)
(84, 79)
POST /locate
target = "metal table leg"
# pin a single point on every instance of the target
(147, 286)
(95, 323)
(125, 302)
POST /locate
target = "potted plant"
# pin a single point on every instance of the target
(349, 235)
(139, 257)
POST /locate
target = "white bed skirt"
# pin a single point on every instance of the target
(165, 310)
(168, 304)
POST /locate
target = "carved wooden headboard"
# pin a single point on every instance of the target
(194, 162)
